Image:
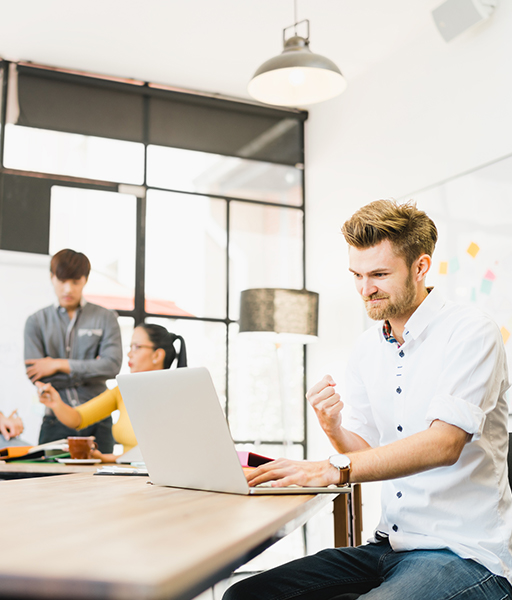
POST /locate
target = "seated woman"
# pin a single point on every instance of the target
(152, 348)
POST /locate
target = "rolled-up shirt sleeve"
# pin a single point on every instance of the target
(471, 380)
(107, 364)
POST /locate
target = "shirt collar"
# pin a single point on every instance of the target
(60, 308)
(420, 318)
(387, 332)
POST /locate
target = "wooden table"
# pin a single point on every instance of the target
(119, 537)
(20, 470)
(347, 509)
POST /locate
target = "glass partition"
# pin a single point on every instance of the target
(218, 208)
(205, 173)
(266, 383)
(266, 246)
(102, 225)
(186, 244)
(206, 347)
(62, 153)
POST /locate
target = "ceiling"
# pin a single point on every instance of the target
(212, 46)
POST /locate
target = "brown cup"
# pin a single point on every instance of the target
(82, 447)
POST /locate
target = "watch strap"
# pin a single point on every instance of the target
(344, 475)
(344, 471)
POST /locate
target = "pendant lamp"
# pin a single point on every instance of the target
(280, 315)
(296, 77)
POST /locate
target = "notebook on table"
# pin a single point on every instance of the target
(183, 434)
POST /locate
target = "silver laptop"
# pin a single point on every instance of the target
(131, 457)
(183, 434)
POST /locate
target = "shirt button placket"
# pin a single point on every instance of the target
(399, 373)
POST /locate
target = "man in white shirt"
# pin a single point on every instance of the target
(424, 410)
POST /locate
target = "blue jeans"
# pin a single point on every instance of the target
(376, 572)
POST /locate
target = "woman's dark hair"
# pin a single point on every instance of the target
(161, 338)
(68, 264)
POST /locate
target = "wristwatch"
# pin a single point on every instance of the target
(342, 463)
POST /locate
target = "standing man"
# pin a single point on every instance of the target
(424, 410)
(75, 346)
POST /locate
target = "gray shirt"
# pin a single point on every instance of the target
(91, 341)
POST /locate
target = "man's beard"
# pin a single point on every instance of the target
(386, 309)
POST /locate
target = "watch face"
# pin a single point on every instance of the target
(341, 461)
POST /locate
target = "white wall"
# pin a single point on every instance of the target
(24, 288)
(432, 111)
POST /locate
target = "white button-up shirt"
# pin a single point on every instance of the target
(451, 367)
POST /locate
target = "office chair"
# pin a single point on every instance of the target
(509, 459)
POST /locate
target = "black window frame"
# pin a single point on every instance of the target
(46, 181)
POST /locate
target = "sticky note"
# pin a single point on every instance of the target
(443, 267)
(490, 275)
(486, 286)
(454, 265)
(473, 249)
(473, 294)
(505, 334)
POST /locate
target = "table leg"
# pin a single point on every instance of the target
(357, 513)
(341, 525)
(347, 512)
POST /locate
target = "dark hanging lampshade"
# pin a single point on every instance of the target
(282, 315)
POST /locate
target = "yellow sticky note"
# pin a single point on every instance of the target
(443, 267)
(473, 249)
(505, 334)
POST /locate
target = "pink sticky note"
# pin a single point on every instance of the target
(490, 275)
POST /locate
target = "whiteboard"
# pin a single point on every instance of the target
(472, 263)
(25, 287)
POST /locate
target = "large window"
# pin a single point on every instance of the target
(181, 201)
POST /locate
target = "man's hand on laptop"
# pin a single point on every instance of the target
(283, 472)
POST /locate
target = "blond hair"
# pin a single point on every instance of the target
(410, 231)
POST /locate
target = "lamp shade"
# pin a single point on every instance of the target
(280, 315)
(296, 77)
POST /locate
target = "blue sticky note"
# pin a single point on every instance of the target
(454, 265)
(486, 286)
(473, 294)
